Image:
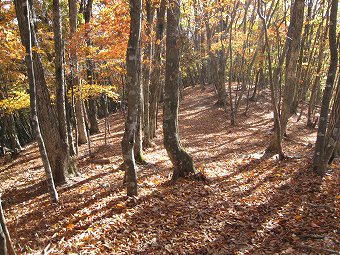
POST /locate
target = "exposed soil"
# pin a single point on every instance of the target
(251, 204)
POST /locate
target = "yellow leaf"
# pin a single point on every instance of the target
(70, 226)
(298, 217)
(120, 205)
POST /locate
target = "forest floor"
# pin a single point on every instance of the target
(251, 204)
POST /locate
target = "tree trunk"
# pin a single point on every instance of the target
(132, 100)
(81, 127)
(138, 148)
(181, 160)
(292, 56)
(92, 113)
(147, 72)
(319, 162)
(11, 132)
(291, 53)
(155, 83)
(93, 116)
(60, 85)
(24, 14)
(273, 87)
(6, 245)
(57, 156)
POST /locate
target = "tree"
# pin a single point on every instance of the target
(291, 50)
(60, 79)
(6, 245)
(155, 83)
(27, 35)
(323, 150)
(92, 103)
(132, 84)
(181, 160)
(79, 109)
(273, 88)
(147, 72)
(57, 156)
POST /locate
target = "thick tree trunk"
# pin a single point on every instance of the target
(321, 146)
(291, 53)
(132, 100)
(292, 56)
(93, 116)
(60, 85)
(181, 160)
(81, 127)
(24, 16)
(57, 156)
(155, 84)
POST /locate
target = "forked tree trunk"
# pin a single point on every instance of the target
(181, 160)
(321, 147)
(132, 84)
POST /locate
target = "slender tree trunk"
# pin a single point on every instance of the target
(92, 105)
(273, 88)
(80, 119)
(321, 147)
(132, 84)
(6, 245)
(181, 160)
(138, 149)
(155, 84)
(147, 72)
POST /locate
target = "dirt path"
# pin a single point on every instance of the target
(251, 204)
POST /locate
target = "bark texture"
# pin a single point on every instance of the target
(80, 119)
(6, 245)
(291, 51)
(321, 146)
(155, 84)
(57, 156)
(132, 84)
(181, 160)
